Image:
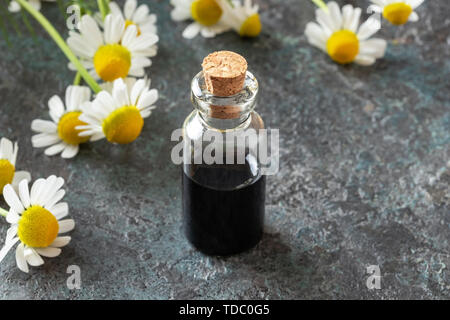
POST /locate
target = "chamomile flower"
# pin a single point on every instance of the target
(60, 135)
(129, 82)
(134, 15)
(118, 115)
(35, 221)
(340, 35)
(397, 12)
(118, 52)
(15, 7)
(8, 173)
(206, 14)
(244, 19)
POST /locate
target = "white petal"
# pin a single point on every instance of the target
(80, 47)
(136, 72)
(6, 149)
(414, 17)
(143, 42)
(146, 112)
(314, 31)
(191, 30)
(43, 126)
(11, 233)
(56, 107)
(52, 185)
(415, 3)
(365, 60)
(347, 14)
(70, 151)
(114, 27)
(12, 199)
(335, 14)
(24, 193)
(179, 14)
(137, 90)
(33, 258)
(114, 8)
(76, 96)
(97, 136)
(14, 7)
(55, 149)
(207, 32)
(60, 210)
(20, 258)
(129, 8)
(12, 217)
(61, 242)
(55, 199)
(369, 28)
(325, 21)
(129, 35)
(36, 190)
(373, 47)
(14, 155)
(36, 4)
(91, 32)
(140, 14)
(49, 252)
(148, 98)
(120, 93)
(66, 225)
(7, 247)
(354, 22)
(140, 62)
(44, 140)
(19, 176)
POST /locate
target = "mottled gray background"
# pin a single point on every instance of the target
(364, 176)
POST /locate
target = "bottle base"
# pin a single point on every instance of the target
(224, 250)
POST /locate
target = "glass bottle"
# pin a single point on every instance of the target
(223, 201)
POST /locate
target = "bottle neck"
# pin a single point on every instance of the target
(225, 124)
(224, 113)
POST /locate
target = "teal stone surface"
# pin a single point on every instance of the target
(364, 169)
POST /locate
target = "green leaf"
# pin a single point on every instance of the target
(3, 26)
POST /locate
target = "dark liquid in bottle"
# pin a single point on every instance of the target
(223, 222)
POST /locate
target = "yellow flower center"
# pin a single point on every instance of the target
(206, 12)
(123, 125)
(7, 171)
(112, 61)
(66, 128)
(251, 27)
(397, 13)
(343, 46)
(38, 227)
(131, 23)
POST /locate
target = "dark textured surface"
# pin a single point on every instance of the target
(364, 174)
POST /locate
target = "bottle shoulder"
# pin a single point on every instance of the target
(194, 125)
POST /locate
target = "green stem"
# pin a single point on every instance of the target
(3, 212)
(103, 7)
(62, 45)
(321, 4)
(77, 79)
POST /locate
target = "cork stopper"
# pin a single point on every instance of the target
(224, 73)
